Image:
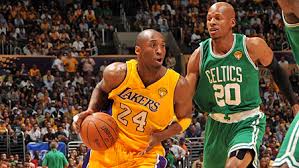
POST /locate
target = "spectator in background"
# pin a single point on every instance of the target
(156, 8)
(3, 164)
(55, 158)
(265, 162)
(23, 70)
(58, 64)
(197, 164)
(35, 134)
(284, 63)
(48, 76)
(28, 160)
(170, 61)
(50, 135)
(70, 64)
(34, 71)
(78, 44)
(182, 144)
(164, 26)
(49, 82)
(88, 64)
(178, 151)
(171, 161)
(195, 39)
(61, 135)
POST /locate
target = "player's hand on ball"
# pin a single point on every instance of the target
(155, 139)
(295, 109)
(78, 119)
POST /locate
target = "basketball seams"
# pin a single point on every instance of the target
(103, 124)
(108, 125)
(100, 134)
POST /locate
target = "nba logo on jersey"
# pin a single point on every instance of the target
(162, 92)
(238, 55)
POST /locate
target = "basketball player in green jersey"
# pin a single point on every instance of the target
(225, 80)
(288, 155)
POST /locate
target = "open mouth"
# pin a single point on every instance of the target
(213, 30)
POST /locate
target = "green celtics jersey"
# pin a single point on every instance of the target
(228, 83)
(292, 32)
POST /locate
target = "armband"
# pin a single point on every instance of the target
(184, 123)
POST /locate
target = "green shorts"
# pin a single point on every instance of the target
(289, 150)
(223, 138)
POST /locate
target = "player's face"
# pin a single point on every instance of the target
(218, 23)
(153, 51)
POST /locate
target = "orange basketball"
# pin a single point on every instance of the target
(99, 131)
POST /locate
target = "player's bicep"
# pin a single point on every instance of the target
(259, 51)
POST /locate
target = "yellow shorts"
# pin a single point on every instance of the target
(119, 156)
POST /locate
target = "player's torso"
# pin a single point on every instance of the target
(140, 110)
(229, 83)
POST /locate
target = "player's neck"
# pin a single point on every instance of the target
(222, 45)
(149, 75)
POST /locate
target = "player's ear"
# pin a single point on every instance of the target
(233, 22)
(137, 50)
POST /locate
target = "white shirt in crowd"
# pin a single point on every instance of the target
(178, 151)
(58, 64)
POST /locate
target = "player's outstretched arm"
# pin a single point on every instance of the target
(259, 51)
(290, 10)
(113, 76)
(183, 112)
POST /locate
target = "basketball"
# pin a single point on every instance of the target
(99, 131)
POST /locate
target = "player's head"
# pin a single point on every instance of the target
(150, 48)
(220, 19)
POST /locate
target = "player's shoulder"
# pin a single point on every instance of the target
(196, 52)
(182, 82)
(115, 71)
(253, 42)
(116, 68)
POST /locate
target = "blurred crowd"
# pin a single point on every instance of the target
(186, 19)
(48, 27)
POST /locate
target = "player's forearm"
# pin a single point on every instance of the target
(172, 130)
(97, 100)
(281, 78)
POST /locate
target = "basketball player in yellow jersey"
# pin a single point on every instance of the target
(150, 104)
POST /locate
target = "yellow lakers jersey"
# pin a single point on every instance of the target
(140, 110)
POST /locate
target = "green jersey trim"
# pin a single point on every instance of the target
(289, 153)
(289, 24)
(226, 54)
(247, 54)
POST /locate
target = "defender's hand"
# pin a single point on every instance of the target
(78, 119)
